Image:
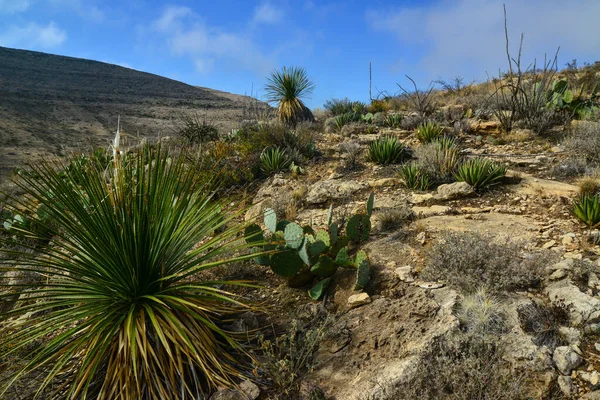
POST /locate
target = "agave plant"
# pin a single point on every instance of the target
(273, 160)
(346, 118)
(393, 120)
(121, 312)
(413, 177)
(587, 209)
(428, 132)
(480, 173)
(386, 150)
(286, 88)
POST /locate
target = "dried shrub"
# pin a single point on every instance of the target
(584, 142)
(438, 161)
(351, 152)
(393, 218)
(542, 322)
(460, 368)
(471, 260)
(589, 186)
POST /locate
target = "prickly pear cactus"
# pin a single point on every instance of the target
(294, 236)
(358, 228)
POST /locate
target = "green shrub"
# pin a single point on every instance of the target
(273, 160)
(429, 131)
(413, 177)
(386, 150)
(120, 311)
(393, 120)
(587, 209)
(195, 129)
(480, 173)
(469, 261)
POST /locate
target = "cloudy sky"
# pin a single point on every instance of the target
(232, 45)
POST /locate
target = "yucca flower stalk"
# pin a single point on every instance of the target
(121, 312)
(286, 88)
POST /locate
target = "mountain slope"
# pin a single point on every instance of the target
(50, 102)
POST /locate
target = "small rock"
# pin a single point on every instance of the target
(570, 335)
(422, 237)
(420, 198)
(566, 359)
(250, 389)
(565, 383)
(384, 182)
(593, 281)
(558, 274)
(357, 300)
(591, 396)
(456, 190)
(430, 285)
(593, 378)
(549, 244)
(568, 239)
(405, 273)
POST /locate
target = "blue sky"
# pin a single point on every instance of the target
(232, 45)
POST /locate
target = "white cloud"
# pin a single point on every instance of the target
(33, 35)
(187, 35)
(13, 6)
(171, 18)
(267, 14)
(467, 36)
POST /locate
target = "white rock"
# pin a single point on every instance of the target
(566, 359)
(456, 190)
(565, 383)
(558, 274)
(582, 307)
(405, 273)
(357, 300)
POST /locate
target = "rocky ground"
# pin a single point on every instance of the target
(377, 337)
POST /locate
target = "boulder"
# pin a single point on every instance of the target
(452, 191)
(582, 307)
(325, 190)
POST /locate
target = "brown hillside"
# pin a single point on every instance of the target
(50, 102)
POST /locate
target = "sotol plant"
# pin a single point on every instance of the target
(286, 88)
(480, 173)
(121, 312)
(386, 150)
(302, 255)
(413, 177)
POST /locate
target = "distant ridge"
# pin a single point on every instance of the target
(50, 102)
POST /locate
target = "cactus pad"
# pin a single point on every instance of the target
(286, 263)
(370, 203)
(323, 236)
(363, 270)
(294, 236)
(342, 259)
(325, 267)
(317, 291)
(271, 220)
(358, 227)
(253, 234)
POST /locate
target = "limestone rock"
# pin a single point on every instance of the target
(357, 300)
(565, 383)
(247, 391)
(325, 190)
(452, 191)
(566, 359)
(582, 307)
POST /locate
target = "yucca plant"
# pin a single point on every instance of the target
(393, 120)
(413, 177)
(273, 160)
(445, 142)
(286, 88)
(386, 150)
(480, 173)
(587, 209)
(428, 132)
(119, 311)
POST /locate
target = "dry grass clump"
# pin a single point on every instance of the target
(392, 218)
(481, 313)
(437, 161)
(469, 260)
(460, 368)
(351, 153)
(589, 186)
(542, 322)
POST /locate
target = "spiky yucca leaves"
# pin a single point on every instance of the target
(428, 132)
(120, 312)
(413, 177)
(386, 150)
(393, 120)
(287, 88)
(480, 173)
(587, 209)
(274, 159)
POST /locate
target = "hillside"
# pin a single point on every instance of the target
(50, 102)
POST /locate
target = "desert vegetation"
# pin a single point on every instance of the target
(437, 243)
